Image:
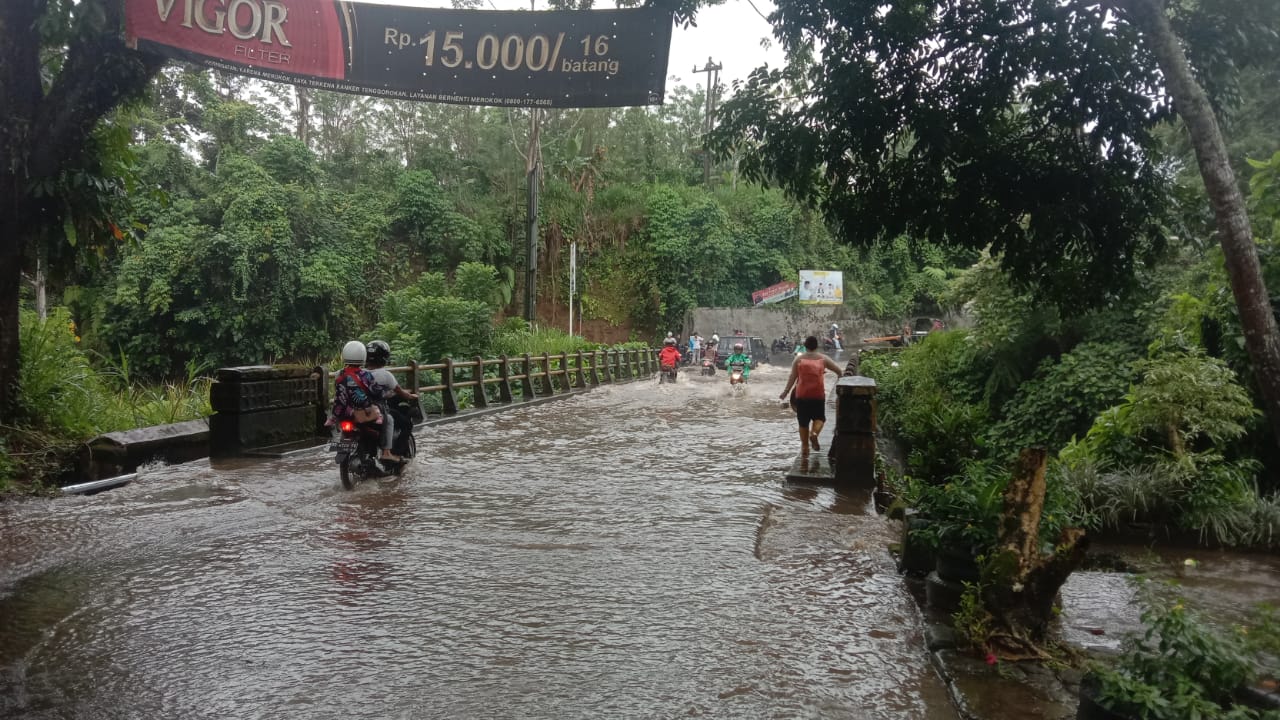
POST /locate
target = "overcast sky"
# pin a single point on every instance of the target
(731, 35)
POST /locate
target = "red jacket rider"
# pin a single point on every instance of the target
(668, 356)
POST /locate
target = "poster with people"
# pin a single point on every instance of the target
(821, 287)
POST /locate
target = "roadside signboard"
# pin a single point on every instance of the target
(821, 287)
(570, 58)
(774, 293)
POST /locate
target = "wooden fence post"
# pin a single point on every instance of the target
(546, 375)
(566, 384)
(504, 387)
(581, 374)
(448, 399)
(481, 400)
(594, 376)
(526, 382)
(646, 358)
(413, 376)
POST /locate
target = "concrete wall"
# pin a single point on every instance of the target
(771, 321)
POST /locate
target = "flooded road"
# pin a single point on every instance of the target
(629, 553)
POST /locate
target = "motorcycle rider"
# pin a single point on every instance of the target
(739, 356)
(393, 445)
(668, 356)
(356, 392)
(834, 333)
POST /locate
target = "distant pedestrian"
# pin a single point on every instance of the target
(809, 398)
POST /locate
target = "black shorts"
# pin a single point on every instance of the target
(810, 409)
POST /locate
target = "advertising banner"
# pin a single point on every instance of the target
(774, 293)
(821, 287)
(570, 58)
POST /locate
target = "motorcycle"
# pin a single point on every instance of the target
(358, 448)
(829, 343)
(708, 366)
(667, 374)
(736, 376)
(782, 345)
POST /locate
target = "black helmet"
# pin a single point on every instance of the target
(379, 351)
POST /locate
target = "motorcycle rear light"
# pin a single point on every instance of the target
(347, 426)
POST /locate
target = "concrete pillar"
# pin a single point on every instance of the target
(853, 445)
(260, 406)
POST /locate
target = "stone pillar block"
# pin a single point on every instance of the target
(853, 445)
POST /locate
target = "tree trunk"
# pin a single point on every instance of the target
(304, 115)
(1019, 586)
(43, 133)
(1234, 233)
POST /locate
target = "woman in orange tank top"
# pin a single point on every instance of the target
(810, 398)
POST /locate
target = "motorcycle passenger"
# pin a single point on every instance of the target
(394, 446)
(713, 348)
(356, 392)
(668, 356)
(739, 356)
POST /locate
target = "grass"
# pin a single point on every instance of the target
(66, 400)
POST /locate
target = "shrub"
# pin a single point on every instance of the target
(1180, 668)
(933, 402)
(1064, 397)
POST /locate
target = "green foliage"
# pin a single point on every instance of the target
(1064, 397)
(61, 391)
(1180, 668)
(965, 511)
(430, 327)
(1159, 455)
(972, 621)
(514, 337)
(1184, 402)
(1265, 195)
(478, 282)
(933, 402)
(67, 401)
(972, 128)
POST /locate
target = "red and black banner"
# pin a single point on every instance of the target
(585, 58)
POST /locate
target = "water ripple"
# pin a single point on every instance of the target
(630, 552)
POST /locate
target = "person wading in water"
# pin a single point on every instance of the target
(810, 396)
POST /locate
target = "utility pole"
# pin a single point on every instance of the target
(713, 81)
(532, 167)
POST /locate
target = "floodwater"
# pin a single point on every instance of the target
(628, 553)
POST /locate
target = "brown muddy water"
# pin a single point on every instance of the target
(629, 553)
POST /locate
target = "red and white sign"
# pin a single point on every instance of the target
(552, 58)
(774, 293)
(299, 37)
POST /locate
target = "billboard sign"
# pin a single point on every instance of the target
(821, 287)
(774, 293)
(561, 58)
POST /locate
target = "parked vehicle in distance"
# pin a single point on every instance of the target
(754, 346)
(913, 332)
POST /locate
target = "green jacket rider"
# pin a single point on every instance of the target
(739, 356)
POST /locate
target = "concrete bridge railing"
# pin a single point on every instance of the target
(262, 406)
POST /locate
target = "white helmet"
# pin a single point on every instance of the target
(715, 338)
(835, 326)
(353, 353)
(669, 341)
(737, 346)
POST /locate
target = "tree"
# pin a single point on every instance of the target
(48, 112)
(1023, 125)
(1257, 319)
